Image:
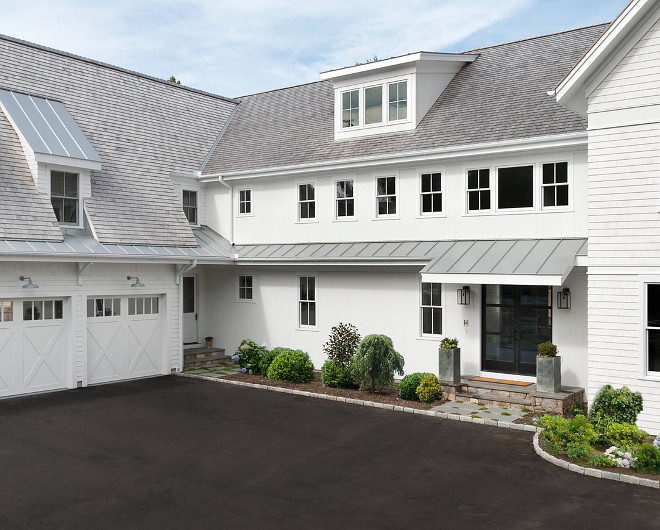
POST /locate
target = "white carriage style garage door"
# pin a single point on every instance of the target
(33, 346)
(124, 338)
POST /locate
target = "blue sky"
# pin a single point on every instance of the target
(236, 48)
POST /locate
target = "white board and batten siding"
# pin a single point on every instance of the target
(624, 219)
(153, 341)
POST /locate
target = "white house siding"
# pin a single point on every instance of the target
(60, 280)
(624, 219)
(274, 217)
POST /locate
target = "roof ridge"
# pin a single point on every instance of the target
(536, 37)
(113, 67)
(282, 88)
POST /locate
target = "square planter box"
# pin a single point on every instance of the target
(548, 374)
(449, 364)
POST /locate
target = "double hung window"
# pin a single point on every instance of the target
(244, 202)
(555, 184)
(245, 287)
(307, 301)
(431, 308)
(652, 327)
(306, 202)
(431, 193)
(345, 200)
(64, 196)
(386, 196)
(478, 189)
(350, 109)
(398, 100)
(190, 206)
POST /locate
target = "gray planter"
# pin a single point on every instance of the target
(449, 364)
(548, 374)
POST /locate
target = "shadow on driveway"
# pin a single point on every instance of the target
(171, 452)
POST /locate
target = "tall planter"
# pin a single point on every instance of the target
(548, 374)
(449, 364)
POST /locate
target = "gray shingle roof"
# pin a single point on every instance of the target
(502, 95)
(141, 127)
(24, 214)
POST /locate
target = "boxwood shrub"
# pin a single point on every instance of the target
(648, 458)
(293, 366)
(429, 389)
(337, 375)
(268, 357)
(408, 386)
(624, 434)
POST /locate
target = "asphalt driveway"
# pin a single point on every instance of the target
(171, 452)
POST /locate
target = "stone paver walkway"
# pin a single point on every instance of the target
(219, 369)
(478, 410)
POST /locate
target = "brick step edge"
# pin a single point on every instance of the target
(591, 472)
(482, 398)
(385, 406)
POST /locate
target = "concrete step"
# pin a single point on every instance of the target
(515, 403)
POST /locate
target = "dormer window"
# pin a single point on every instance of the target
(398, 95)
(64, 196)
(350, 108)
(373, 105)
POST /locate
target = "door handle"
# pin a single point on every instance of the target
(195, 316)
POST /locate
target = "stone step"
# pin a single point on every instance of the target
(505, 402)
(204, 358)
(497, 391)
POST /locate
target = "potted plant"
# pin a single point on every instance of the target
(449, 360)
(548, 368)
(209, 342)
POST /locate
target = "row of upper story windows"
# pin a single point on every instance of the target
(499, 189)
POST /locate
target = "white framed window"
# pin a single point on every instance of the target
(307, 301)
(478, 190)
(515, 187)
(398, 100)
(350, 109)
(245, 287)
(103, 307)
(143, 305)
(430, 193)
(43, 309)
(306, 202)
(373, 105)
(190, 206)
(431, 308)
(65, 196)
(652, 329)
(344, 199)
(386, 196)
(6, 311)
(245, 201)
(554, 184)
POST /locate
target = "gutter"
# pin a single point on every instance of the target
(184, 270)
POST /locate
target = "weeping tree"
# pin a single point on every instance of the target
(375, 362)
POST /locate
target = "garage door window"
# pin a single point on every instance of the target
(147, 305)
(6, 311)
(103, 307)
(42, 310)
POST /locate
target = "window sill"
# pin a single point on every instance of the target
(431, 216)
(650, 377)
(242, 301)
(345, 220)
(308, 222)
(430, 338)
(386, 218)
(310, 328)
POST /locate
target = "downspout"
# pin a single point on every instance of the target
(179, 274)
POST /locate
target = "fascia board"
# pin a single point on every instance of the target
(494, 279)
(67, 161)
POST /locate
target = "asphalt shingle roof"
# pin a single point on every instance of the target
(142, 128)
(501, 96)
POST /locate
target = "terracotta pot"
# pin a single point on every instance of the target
(209, 344)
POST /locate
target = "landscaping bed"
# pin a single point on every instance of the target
(316, 386)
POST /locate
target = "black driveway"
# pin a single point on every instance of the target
(180, 453)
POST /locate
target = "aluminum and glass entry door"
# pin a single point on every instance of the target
(515, 319)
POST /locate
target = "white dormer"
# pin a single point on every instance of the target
(390, 95)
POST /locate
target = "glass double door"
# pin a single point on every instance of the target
(515, 319)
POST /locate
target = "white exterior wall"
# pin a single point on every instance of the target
(60, 280)
(274, 218)
(624, 219)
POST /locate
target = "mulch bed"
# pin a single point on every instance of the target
(621, 470)
(316, 386)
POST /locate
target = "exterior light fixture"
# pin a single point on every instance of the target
(29, 284)
(137, 281)
(463, 295)
(564, 299)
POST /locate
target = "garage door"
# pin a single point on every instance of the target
(33, 346)
(124, 338)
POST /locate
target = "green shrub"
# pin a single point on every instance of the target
(624, 434)
(268, 357)
(449, 344)
(342, 344)
(408, 386)
(429, 389)
(600, 460)
(293, 366)
(547, 349)
(375, 362)
(578, 450)
(337, 375)
(648, 458)
(249, 354)
(562, 431)
(577, 408)
(614, 406)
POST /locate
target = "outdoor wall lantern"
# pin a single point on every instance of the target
(137, 281)
(463, 295)
(29, 284)
(564, 299)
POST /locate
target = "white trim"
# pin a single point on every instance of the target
(238, 201)
(397, 214)
(299, 326)
(420, 307)
(196, 192)
(67, 161)
(345, 218)
(237, 292)
(643, 371)
(306, 220)
(79, 210)
(431, 215)
(496, 279)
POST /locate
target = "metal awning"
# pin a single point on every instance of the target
(49, 130)
(513, 261)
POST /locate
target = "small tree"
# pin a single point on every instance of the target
(342, 344)
(174, 80)
(375, 362)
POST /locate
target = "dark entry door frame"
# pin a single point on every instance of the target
(515, 318)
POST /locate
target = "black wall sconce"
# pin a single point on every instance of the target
(463, 295)
(564, 299)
